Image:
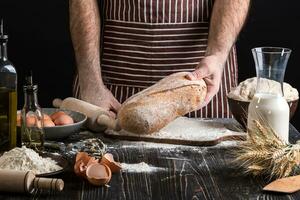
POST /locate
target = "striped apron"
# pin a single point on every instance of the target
(146, 40)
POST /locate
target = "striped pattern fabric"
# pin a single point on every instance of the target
(146, 40)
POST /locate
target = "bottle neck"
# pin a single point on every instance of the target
(3, 50)
(31, 100)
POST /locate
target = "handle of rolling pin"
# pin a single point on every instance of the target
(22, 181)
(106, 121)
(57, 102)
(48, 183)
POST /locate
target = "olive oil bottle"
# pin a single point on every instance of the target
(8, 97)
(32, 124)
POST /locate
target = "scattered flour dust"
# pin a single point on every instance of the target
(139, 167)
(25, 159)
(180, 129)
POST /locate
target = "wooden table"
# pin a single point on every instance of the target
(174, 172)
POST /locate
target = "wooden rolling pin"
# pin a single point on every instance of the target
(27, 182)
(98, 118)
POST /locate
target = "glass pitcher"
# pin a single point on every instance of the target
(268, 105)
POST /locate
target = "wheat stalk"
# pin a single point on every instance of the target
(264, 153)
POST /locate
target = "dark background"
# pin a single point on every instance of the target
(39, 39)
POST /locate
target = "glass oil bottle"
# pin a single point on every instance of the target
(8, 97)
(32, 124)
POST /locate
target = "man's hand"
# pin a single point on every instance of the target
(85, 33)
(226, 22)
(210, 69)
(103, 98)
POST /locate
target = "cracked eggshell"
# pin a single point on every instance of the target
(108, 160)
(92, 160)
(82, 156)
(98, 174)
(80, 168)
(81, 163)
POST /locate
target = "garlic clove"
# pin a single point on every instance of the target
(108, 160)
(98, 174)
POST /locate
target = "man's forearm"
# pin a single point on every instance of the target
(85, 34)
(227, 20)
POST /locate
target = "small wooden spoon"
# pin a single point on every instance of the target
(285, 185)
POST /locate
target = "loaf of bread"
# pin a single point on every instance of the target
(153, 108)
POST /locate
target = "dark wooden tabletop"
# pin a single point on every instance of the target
(173, 172)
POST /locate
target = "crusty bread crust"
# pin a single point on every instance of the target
(153, 108)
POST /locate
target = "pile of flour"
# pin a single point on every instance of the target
(25, 159)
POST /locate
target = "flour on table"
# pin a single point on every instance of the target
(24, 159)
(184, 128)
(139, 167)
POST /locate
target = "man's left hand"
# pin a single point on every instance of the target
(210, 69)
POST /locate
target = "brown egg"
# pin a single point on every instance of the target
(30, 121)
(46, 117)
(108, 160)
(56, 115)
(98, 174)
(18, 119)
(63, 120)
(48, 123)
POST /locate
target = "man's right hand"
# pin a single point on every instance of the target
(103, 98)
(85, 33)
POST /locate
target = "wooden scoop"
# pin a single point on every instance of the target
(285, 185)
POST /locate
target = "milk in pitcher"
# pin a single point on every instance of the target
(268, 106)
(273, 110)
